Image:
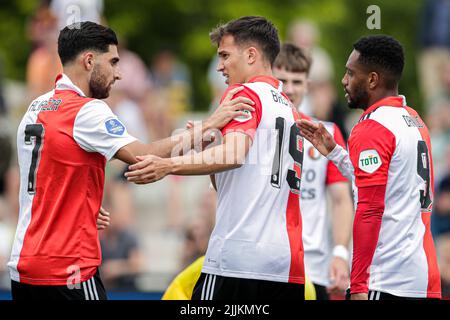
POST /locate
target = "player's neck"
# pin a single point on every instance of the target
(78, 79)
(381, 95)
(262, 71)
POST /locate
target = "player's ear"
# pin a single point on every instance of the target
(88, 60)
(252, 53)
(374, 79)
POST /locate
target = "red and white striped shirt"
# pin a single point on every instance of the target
(390, 154)
(258, 231)
(63, 143)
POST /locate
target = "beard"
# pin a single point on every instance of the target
(98, 84)
(359, 99)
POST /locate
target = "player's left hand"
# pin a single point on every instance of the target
(317, 134)
(149, 169)
(103, 219)
(339, 276)
(229, 109)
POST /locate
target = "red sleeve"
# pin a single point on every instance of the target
(371, 146)
(246, 125)
(366, 229)
(333, 173)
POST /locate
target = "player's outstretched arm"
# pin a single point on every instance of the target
(229, 155)
(316, 133)
(342, 216)
(173, 146)
(323, 141)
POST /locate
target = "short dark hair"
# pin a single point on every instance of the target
(78, 37)
(251, 29)
(293, 59)
(384, 54)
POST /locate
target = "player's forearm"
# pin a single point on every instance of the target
(341, 159)
(211, 161)
(342, 211)
(342, 224)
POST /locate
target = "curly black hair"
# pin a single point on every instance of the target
(383, 54)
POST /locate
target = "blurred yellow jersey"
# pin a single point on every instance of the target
(182, 286)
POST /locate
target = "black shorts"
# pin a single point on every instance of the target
(91, 289)
(214, 287)
(321, 292)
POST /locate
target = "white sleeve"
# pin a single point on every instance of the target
(97, 129)
(339, 156)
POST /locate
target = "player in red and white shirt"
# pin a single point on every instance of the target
(391, 167)
(326, 235)
(63, 141)
(255, 250)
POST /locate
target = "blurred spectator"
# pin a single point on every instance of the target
(443, 253)
(322, 100)
(306, 35)
(135, 81)
(3, 109)
(325, 104)
(39, 22)
(6, 240)
(438, 121)
(71, 11)
(6, 225)
(43, 63)
(446, 81)
(175, 210)
(121, 260)
(435, 43)
(159, 114)
(6, 155)
(168, 73)
(440, 219)
(199, 229)
(166, 69)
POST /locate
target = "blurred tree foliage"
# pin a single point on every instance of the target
(183, 26)
(14, 44)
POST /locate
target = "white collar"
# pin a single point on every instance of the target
(63, 82)
(403, 99)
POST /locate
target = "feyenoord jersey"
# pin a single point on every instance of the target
(258, 231)
(391, 146)
(63, 143)
(318, 173)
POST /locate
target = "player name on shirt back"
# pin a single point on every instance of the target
(45, 105)
(413, 121)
